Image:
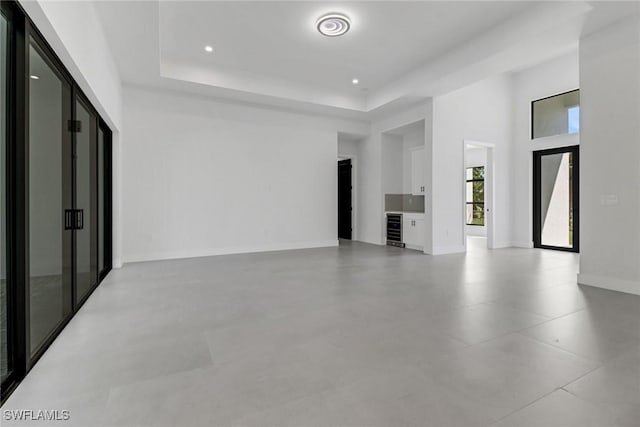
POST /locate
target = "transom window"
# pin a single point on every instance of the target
(556, 115)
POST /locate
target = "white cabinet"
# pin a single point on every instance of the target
(413, 231)
(417, 171)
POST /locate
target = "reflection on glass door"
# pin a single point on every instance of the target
(556, 198)
(5, 351)
(50, 182)
(86, 199)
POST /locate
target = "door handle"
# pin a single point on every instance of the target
(73, 219)
(79, 219)
(68, 219)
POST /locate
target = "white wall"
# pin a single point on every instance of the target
(412, 139)
(480, 112)
(348, 147)
(203, 177)
(610, 158)
(392, 163)
(550, 78)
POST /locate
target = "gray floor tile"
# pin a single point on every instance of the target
(359, 335)
(507, 373)
(593, 333)
(551, 302)
(482, 322)
(398, 396)
(560, 409)
(615, 387)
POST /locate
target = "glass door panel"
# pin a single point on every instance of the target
(556, 193)
(50, 180)
(86, 200)
(101, 200)
(5, 351)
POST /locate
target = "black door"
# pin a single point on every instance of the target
(344, 199)
(555, 199)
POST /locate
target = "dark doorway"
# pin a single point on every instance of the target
(555, 199)
(344, 199)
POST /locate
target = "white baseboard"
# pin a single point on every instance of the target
(371, 242)
(620, 285)
(158, 256)
(500, 245)
(453, 249)
(522, 244)
(415, 247)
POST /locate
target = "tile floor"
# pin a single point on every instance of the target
(358, 335)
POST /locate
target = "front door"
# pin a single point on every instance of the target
(555, 203)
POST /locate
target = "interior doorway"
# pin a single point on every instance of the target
(478, 194)
(345, 208)
(556, 216)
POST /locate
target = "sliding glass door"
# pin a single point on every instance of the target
(555, 207)
(50, 186)
(86, 198)
(55, 196)
(5, 342)
(63, 197)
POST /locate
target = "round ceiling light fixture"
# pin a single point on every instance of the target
(208, 49)
(333, 24)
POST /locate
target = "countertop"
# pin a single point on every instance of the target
(405, 213)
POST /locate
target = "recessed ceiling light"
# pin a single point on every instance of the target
(208, 49)
(355, 81)
(333, 24)
(34, 77)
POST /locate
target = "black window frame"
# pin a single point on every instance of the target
(474, 203)
(106, 208)
(575, 196)
(21, 31)
(532, 116)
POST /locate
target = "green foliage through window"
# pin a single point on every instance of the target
(475, 196)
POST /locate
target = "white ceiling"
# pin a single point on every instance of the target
(279, 39)
(400, 51)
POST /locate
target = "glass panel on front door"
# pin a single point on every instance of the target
(555, 198)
